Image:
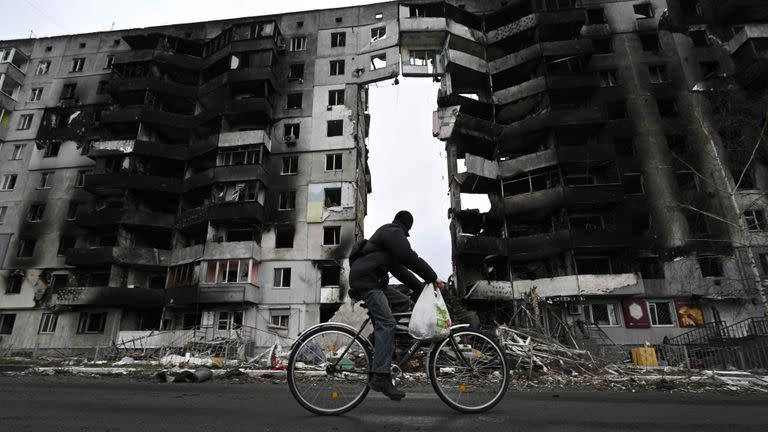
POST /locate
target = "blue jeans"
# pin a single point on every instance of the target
(381, 305)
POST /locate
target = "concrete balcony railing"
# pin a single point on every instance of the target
(223, 174)
(187, 254)
(116, 183)
(124, 147)
(108, 296)
(546, 200)
(222, 293)
(573, 47)
(129, 256)
(537, 19)
(230, 139)
(131, 217)
(529, 162)
(544, 84)
(232, 250)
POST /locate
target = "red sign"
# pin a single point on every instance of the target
(636, 313)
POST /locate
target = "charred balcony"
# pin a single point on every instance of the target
(70, 123)
(137, 257)
(108, 218)
(244, 37)
(144, 298)
(130, 82)
(152, 114)
(116, 183)
(225, 141)
(163, 49)
(223, 174)
(563, 23)
(224, 211)
(572, 112)
(549, 50)
(223, 293)
(125, 147)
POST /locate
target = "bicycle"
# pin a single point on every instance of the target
(329, 367)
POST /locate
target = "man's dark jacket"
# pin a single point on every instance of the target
(388, 251)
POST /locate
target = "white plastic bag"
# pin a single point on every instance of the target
(430, 319)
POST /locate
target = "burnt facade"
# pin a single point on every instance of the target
(213, 175)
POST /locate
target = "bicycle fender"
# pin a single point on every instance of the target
(459, 326)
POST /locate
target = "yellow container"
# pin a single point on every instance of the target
(644, 357)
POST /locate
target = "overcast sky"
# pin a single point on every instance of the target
(407, 164)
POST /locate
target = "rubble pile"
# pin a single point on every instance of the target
(528, 351)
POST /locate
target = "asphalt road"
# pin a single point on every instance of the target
(116, 404)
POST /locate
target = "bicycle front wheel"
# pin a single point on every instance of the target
(328, 370)
(469, 371)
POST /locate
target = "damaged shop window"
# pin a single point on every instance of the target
(755, 220)
(335, 128)
(711, 266)
(287, 200)
(284, 236)
(643, 11)
(594, 265)
(296, 71)
(336, 67)
(601, 314)
(92, 322)
(14, 282)
(35, 213)
(633, 184)
(6, 323)
(294, 101)
(378, 61)
(332, 236)
(378, 33)
(65, 243)
(330, 276)
(650, 267)
(338, 39)
(531, 182)
(332, 197)
(278, 318)
(290, 165)
(229, 320)
(282, 277)
(335, 97)
(650, 42)
(48, 323)
(661, 313)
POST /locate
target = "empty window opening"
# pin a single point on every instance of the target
(596, 16)
(296, 71)
(332, 236)
(593, 265)
(92, 322)
(333, 162)
(338, 39)
(77, 65)
(531, 182)
(335, 128)
(745, 179)
(337, 67)
(294, 101)
(616, 110)
(332, 197)
(3, 213)
(282, 278)
(378, 33)
(330, 276)
(284, 236)
(624, 146)
(52, 149)
(378, 61)
(335, 97)
(68, 92)
(643, 11)
(287, 200)
(35, 213)
(14, 283)
(6, 323)
(633, 184)
(711, 266)
(660, 313)
(291, 130)
(239, 235)
(65, 243)
(650, 267)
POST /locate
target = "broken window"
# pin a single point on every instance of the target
(335, 128)
(46, 180)
(14, 283)
(284, 236)
(287, 200)
(650, 267)
(239, 235)
(697, 224)
(338, 39)
(616, 110)
(52, 149)
(228, 271)
(585, 222)
(603, 45)
(333, 162)
(101, 88)
(650, 42)
(660, 313)
(593, 265)
(633, 184)
(596, 16)
(298, 43)
(667, 107)
(48, 323)
(35, 213)
(98, 279)
(378, 61)
(378, 33)
(245, 155)
(282, 278)
(25, 121)
(335, 97)
(290, 165)
(658, 74)
(43, 68)
(711, 266)
(183, 275)
(229, 320)
(68, 91)
(337, 67)
(110, 62)
(6, 323)
(330, 276)
(624, 146)
(643, 11)
(601, 314)
(422, 58)
(755, 220)
(291, 130)
(18, 152)
(296, 71)
(77, 65)
(92, 322)
(294, 101)
(417, 11)
(565, 65)
(278, 318)
(72, 210)
(608, 78)
(332, 236)
(65, 243)
(531, 182)
(9, 182)
(332, 197)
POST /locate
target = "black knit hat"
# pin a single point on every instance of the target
(404, 218)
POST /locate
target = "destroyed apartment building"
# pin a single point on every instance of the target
(211, 176)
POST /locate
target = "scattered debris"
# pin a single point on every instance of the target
(199, 375)
(529, 351)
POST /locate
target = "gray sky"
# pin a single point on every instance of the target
(407, 164)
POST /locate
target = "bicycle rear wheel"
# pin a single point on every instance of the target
(469, 371)
(324, 378)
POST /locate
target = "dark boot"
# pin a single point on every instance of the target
(383, 383)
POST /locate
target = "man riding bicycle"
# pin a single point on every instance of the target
(388, 251)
